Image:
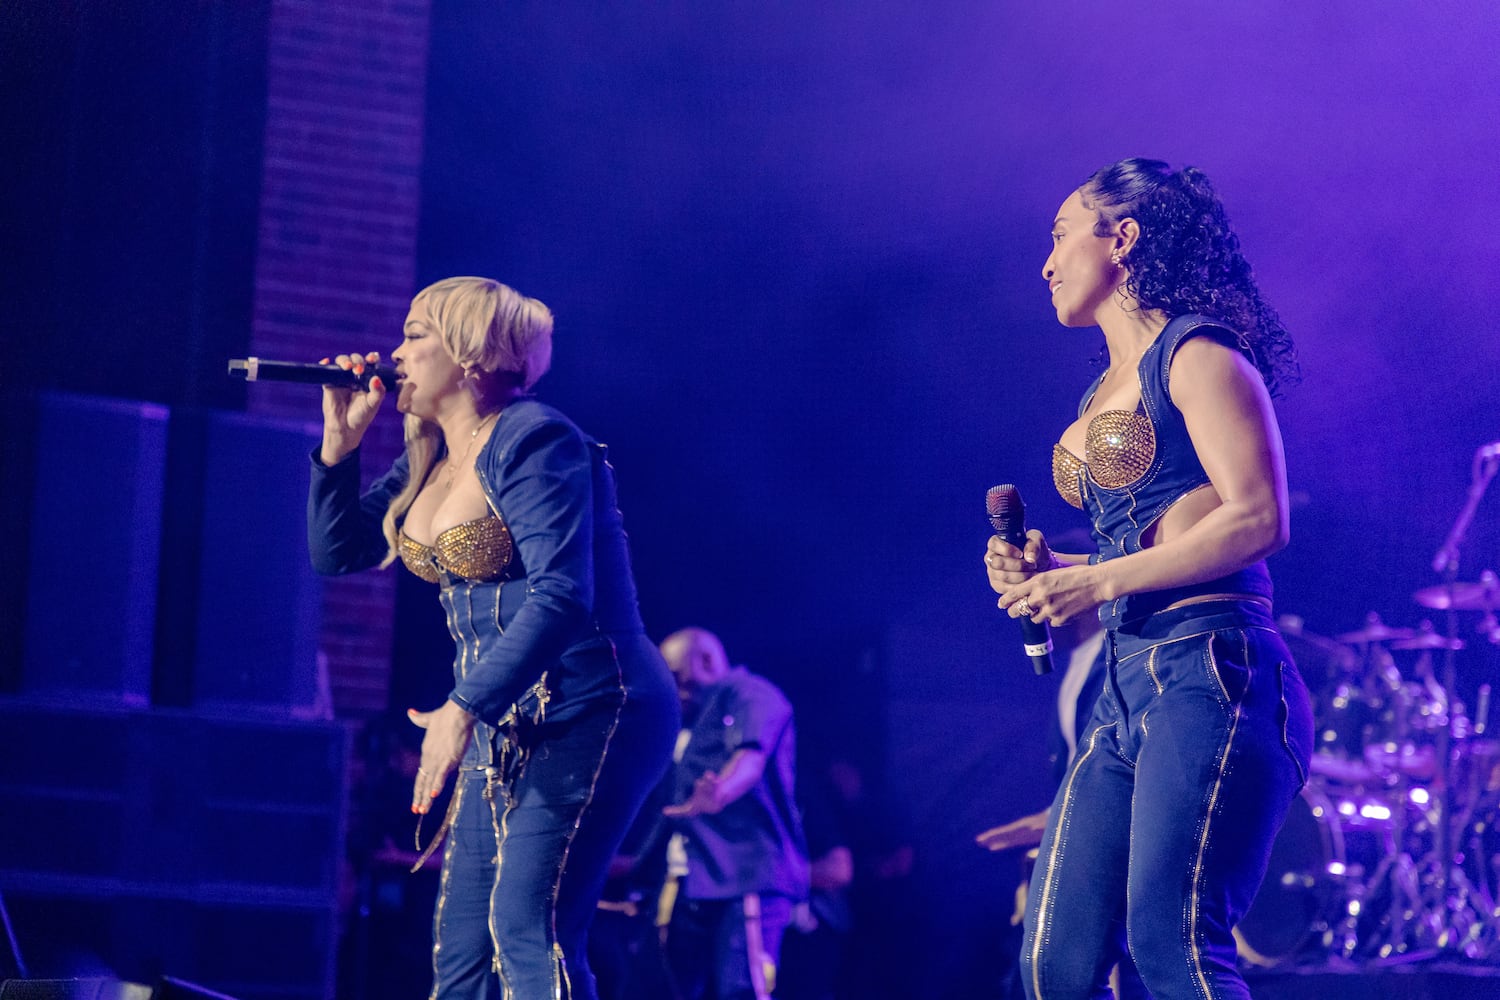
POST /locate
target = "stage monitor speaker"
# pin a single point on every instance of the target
(144, 841)
(73, 989)
(94, 547)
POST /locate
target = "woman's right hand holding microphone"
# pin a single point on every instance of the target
(348, 413)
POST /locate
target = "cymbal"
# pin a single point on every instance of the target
(1406, 758)
(1428, 640)
(1377, 631)
(1311, 650)
(1481, 596)
(1480, 747)
(1355, 772)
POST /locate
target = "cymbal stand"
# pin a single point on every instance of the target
(1470, 920)
(1486, 464)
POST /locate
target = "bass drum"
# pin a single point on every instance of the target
(1326, 846)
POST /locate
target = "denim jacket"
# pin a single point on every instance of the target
(546, 631)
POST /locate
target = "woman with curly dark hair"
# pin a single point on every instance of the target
(1162, 828)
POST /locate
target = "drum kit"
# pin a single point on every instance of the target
(1391, 852)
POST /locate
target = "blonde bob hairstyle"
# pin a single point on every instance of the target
(488, 328)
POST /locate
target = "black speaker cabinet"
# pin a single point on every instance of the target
(94, 543)
(258, 602)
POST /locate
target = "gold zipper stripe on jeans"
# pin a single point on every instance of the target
(1151, 670)
(1213, 670)
(560, 968)
(442, 900)
(1195, 893)
(512, 759)
(1286, 713)
(500, 822)
(1064, 815)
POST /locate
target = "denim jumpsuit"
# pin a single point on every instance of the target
(576, 709)
(1162, 829)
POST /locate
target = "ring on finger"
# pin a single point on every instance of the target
(1025, 607)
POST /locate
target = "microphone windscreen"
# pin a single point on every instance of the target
(1006, 511)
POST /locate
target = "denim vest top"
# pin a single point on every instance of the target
(1121, 516)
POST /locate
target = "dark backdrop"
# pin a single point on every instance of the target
(795, 256)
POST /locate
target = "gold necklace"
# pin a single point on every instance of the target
(453, 468)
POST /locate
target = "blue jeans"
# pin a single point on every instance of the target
(530, 846)
(1165, 820)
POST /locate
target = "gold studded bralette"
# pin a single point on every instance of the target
(1118, 448)
(476, 550)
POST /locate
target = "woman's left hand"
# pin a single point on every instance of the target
(1007, 565)
(1055, 596)
(448, 729)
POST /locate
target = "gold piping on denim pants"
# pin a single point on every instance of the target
(563, 987)
(1151, 670)
(442, 899)
(1043, 921)
(1196, 890)
(504, 775)
(498, 821)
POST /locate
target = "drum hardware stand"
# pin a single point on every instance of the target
(1464, 923)
(1474, 916)
(1396, 867)
(1405, 930)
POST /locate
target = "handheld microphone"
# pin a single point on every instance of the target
(261, 370)
(1008, 517)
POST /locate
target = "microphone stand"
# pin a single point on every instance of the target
(1486, 464)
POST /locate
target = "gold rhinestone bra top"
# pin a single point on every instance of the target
(1118, 448)
(476, 550)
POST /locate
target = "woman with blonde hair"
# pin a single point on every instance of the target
(562, 713)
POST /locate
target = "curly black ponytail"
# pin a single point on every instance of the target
(1187, 259)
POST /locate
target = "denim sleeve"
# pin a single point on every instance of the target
(343, 527)
(542, 485)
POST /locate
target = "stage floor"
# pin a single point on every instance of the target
(1445, 980)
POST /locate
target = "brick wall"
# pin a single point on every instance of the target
(336, 256)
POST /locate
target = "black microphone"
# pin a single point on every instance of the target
(1008, 518)
(261, 370)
